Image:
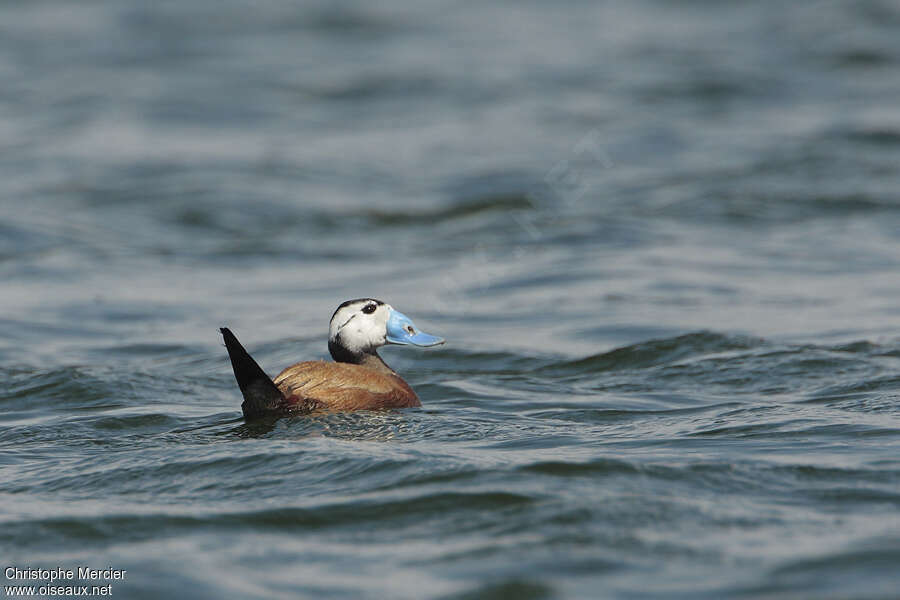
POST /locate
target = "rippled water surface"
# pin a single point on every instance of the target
(661, 238)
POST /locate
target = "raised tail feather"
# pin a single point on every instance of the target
(261, 395)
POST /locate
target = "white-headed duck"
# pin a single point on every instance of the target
(358, 379)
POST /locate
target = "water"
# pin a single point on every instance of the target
(661, 238)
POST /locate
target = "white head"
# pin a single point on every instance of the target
(361, 326)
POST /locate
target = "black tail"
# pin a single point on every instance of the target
(261, 396)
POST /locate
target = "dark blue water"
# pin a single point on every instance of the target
(661, 238)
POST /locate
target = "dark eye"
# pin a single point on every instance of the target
(369, 309)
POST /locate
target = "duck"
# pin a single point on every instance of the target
(358, 379)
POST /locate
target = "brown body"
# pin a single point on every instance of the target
(320, 385)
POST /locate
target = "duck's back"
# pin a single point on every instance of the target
(324, 385)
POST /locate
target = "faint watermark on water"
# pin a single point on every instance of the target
(566, 184)
(568, 175)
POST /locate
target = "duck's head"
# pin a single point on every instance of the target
(359, 327)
